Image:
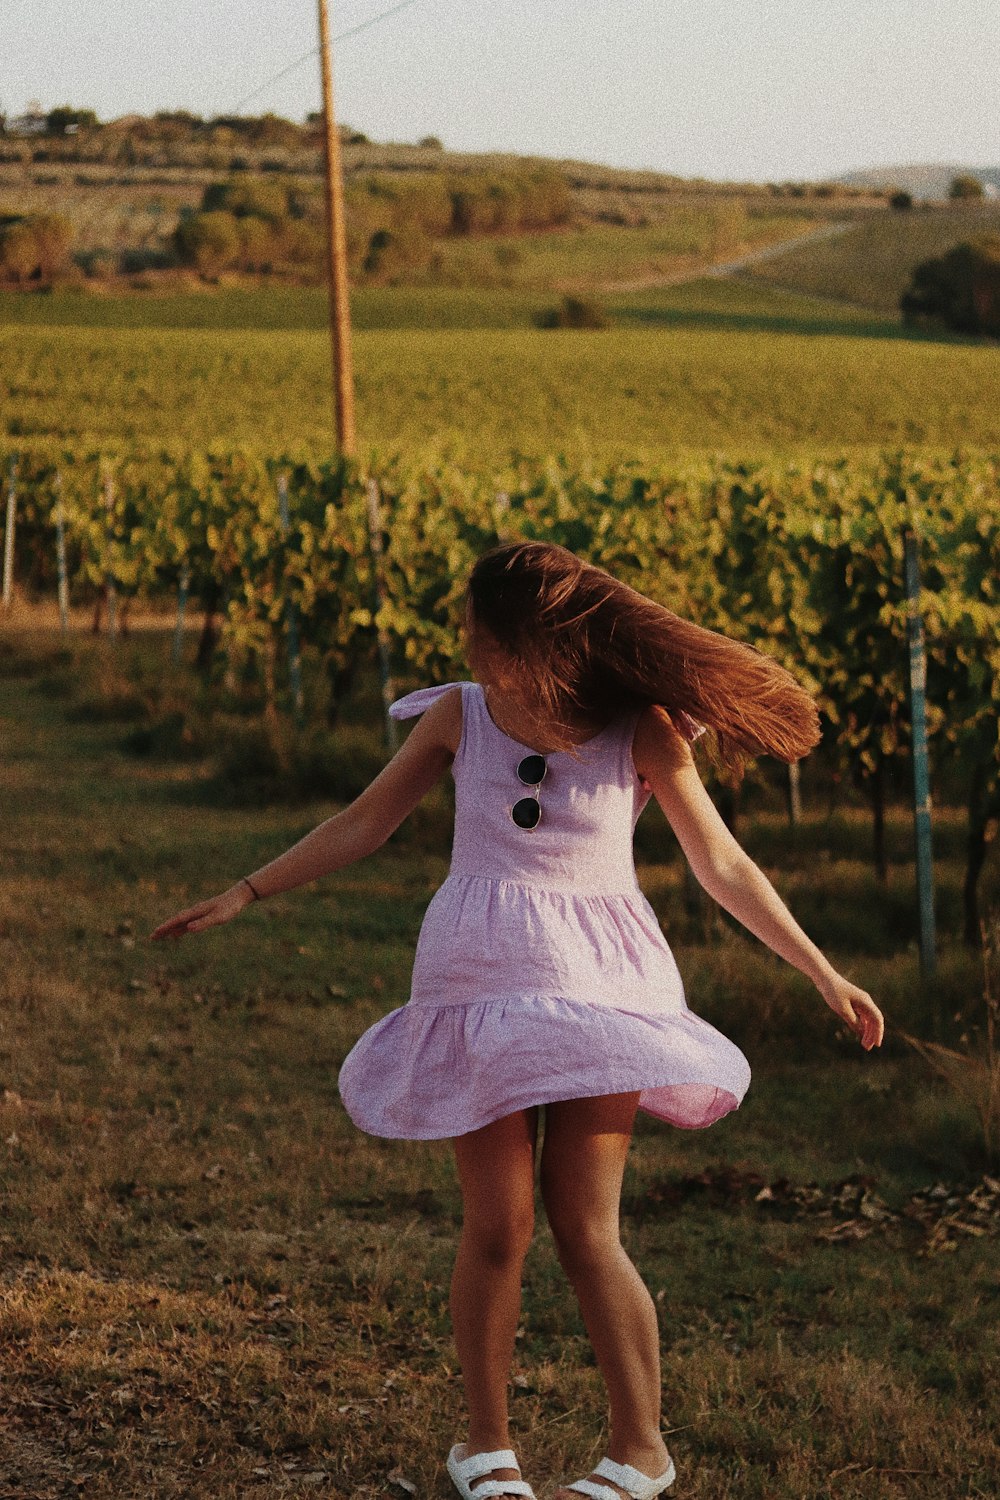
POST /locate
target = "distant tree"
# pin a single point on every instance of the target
(960, 289)
(59, 121)
(965, 186)
(179, 117)
(176, 124)
(258, 130)
(901, 201)
(348, 135)
(430, 143)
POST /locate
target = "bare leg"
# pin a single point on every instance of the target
(583, 1160)
(496, 1169)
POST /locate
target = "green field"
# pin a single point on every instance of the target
(591, 256)
(699, 303)
(214, 1286)
(873, 262)
(701, 369)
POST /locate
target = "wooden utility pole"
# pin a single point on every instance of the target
(336, 239)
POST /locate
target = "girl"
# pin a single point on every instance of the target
(541, 976)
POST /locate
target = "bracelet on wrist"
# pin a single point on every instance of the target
(256, 892)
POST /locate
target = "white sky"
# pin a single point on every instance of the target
(748, 90)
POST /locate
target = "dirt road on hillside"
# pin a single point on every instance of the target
(729, 267)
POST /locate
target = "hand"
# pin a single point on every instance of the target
(211, 913)
(856, 1008)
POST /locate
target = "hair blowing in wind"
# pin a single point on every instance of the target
(588, 644)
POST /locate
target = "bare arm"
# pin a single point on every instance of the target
(730, 876)
(348, 836)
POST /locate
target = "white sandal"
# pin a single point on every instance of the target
(464, 1469)
(632, 1481)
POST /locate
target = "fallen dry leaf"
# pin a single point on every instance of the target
(946, 1212)
(398, 1477)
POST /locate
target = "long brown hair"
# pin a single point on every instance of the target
(582, 644)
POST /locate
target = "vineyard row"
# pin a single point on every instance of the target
(804, 562)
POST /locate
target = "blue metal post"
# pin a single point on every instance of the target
(921, 776)
(291, 619)
(382, 636)
(109, 577)
(183, 584)
(61, 558)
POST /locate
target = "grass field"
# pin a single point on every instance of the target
(700, 371)
(873, 262)
(213, 1285)
(592, 256)
(725, 304)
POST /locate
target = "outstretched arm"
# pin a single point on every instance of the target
(348, 836)
(730, 876)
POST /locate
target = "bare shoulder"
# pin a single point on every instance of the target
(657, 747)
(441, 723)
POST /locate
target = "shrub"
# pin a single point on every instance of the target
(256, 130)
(901, 201)
(381, 201)
(60, 121)
(538, 199)
(965, 186)
(246, 200)
(178, 122)
(135, 261)
(394, 251)
(210, 242)
(545, 197)
(53, 238)
(99, 263)
(302, 244)
(575, 312)
(960, 289)
(257, 244)
(37, 245)
(18, 252)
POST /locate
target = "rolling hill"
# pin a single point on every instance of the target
(925, 180)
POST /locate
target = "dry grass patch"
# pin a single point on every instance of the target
(214, 1287)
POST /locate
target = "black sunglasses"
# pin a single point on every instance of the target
(531, 771)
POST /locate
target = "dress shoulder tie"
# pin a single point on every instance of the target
(419, 701)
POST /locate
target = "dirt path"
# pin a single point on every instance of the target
(729, 267)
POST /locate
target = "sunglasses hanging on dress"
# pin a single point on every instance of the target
(531, 771)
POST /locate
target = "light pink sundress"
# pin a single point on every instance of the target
(541, 972)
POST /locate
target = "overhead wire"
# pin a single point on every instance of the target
(313, 51)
